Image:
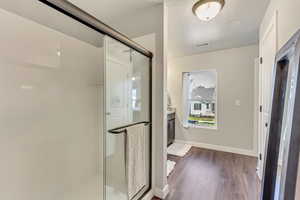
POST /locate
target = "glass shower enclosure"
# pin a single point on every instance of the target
(127, 110)
(75, 106)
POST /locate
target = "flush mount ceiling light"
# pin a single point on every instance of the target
(206, 10)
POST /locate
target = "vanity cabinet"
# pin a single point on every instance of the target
(171, 128)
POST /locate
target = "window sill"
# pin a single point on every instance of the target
(201, 127)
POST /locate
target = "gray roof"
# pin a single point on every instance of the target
(203, 94)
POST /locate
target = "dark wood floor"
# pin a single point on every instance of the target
(211, 175)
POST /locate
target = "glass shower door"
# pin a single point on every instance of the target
(127, 110)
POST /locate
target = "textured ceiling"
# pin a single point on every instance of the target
(107, 10)
(237, 25)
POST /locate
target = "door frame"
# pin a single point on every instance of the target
(261, 123)
(288, 56)
(117, 129)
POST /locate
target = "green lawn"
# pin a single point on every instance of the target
(207, 121)
(201, 118)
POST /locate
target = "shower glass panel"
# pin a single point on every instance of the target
(127, 91)
(51, 105)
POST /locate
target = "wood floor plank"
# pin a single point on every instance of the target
(211, 175)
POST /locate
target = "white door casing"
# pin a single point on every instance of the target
(268, 50)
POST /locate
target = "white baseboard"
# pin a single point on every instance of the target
(148, 196)
(162, 193)
(220, 148)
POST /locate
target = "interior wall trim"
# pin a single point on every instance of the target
(245, 152)
(162, 193)
(87, 19)
(288, 56)
(148, 196)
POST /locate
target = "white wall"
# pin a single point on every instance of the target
(50, 113)
(288, 19)
(134, 26)
(43, 14)
(235, 70)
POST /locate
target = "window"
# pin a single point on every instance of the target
(136, 92)
(197, 106)
(200, 98)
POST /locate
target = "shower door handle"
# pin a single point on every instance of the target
(118, 131)
(123, 128)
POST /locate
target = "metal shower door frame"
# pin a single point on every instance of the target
(92, 22)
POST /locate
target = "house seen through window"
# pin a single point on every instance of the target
(200, 99)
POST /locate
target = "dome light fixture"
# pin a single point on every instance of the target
(206, 10)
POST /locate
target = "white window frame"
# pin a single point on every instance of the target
(186, 106)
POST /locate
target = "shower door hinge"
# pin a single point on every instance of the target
(260, 108)
(260, 156)
(261, 60)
